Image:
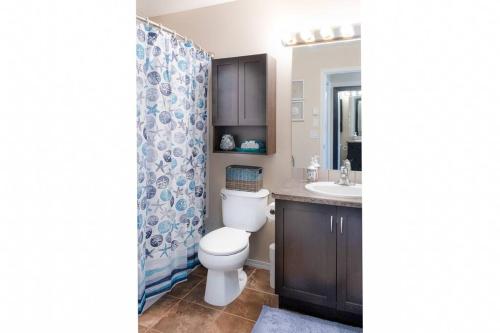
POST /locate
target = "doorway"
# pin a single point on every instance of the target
(346, 126)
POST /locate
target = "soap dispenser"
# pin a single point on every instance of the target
(312, 170)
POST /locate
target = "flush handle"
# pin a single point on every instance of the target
(331, 223)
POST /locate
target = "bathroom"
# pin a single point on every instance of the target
(210, 168)
(228, 280)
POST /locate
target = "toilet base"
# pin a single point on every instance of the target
(223, 287)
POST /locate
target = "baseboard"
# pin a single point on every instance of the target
(258, 264)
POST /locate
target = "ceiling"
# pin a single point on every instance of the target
(151, 8)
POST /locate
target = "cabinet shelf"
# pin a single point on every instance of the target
(238, 152)
(240, 134)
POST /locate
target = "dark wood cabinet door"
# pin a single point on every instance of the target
(306, 252)
(225, 92)
(349, 260)
(252, 90)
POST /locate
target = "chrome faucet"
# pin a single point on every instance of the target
(345, 172)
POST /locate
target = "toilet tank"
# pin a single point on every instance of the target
(244, 210)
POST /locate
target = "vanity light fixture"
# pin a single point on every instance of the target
(327, 34)
(289, 40)
(307, 36)
(347, 31)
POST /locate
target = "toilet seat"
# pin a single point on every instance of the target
(225, 241)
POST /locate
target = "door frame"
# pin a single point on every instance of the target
(326, 114)
(335, 157)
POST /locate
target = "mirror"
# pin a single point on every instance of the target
(326, 106)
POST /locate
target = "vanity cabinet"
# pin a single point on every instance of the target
(318, 260)
(244, 100)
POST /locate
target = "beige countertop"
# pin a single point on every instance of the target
(294, 190)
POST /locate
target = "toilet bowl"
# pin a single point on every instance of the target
(224, 251)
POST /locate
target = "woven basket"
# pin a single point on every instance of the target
(244, 178)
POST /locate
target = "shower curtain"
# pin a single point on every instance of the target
(172, 87)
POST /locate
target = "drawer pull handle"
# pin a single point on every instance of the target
(331, 223)
(341, 223)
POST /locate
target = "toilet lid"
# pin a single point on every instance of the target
(224, 241)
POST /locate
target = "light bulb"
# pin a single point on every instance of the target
(307, 36)
(347, 31)
(289, 39)
(326, 33)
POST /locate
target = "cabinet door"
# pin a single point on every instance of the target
(306, 252)
(225, 92)
(252, 90)
(349, 260)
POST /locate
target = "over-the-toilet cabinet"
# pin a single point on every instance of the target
(244, 99)
(318, 258)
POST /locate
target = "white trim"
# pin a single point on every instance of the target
(326, 118)
(258, 264)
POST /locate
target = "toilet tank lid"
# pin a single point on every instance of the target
(259, 194)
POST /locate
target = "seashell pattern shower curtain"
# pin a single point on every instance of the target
(172, 88)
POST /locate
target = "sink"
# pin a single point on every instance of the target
(335, 190)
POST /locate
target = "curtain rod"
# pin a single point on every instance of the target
(148, 21)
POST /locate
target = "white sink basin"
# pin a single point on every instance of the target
(335, 190)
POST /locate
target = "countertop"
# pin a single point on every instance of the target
(294, 190)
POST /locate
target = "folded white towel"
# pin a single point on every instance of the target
(250, 144)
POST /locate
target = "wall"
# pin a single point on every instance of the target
(307, 64)
(250, 27)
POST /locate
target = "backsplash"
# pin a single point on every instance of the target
(327, 175)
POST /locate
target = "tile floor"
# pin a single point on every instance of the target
(184, 310)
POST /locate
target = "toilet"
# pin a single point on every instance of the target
(224, 251)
